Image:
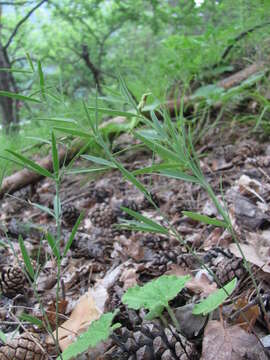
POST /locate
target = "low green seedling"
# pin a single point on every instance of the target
(156, 293)
(214, 300)
(155, 297)
(98, 331)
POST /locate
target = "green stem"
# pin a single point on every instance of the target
(58, 239)
(172, 316)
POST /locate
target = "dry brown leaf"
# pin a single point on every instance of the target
(129, 277)
(213, 239)
(51, 312)
(232, 343)
(84, 313)
(248, 318)
(251, 255)
(200, 284)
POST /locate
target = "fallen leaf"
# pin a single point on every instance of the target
(246, 318)
(51, 312)
(200, 284)
(190, 324)
(81, 317)
(251, 256)
(231, 343)
(129, 278)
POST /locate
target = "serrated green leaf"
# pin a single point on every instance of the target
(26, 259)
(155, 312)
(98, 331)
(205, 219)
(214, 300)
(156, 293)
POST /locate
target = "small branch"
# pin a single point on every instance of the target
(239, 37)
(22, 21)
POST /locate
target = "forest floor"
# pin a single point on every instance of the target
(103, 262)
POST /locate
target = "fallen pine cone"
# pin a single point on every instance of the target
(25, 347)
(12, 281)
(151, 341)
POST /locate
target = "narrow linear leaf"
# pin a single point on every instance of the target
(204, 219)
(161, 150)
(31, 164)
(91, 122)
(30, 62)
(18, 96)
(41, 80)
(16, 71)
(44, 209)
(125, 92)
(177, 174)
(57, 120)
(53, 245)
(99, 160)
(31, 319)
(214, 300)
(113, 112)
(73, 132)
(55, 156)
(138, 226)
(129, 176)
(145, 220)
(159, 167)
(26, 259)
(73, 233)
(87, 171)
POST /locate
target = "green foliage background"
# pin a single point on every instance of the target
(156, 45)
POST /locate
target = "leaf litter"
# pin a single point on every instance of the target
(104, 262)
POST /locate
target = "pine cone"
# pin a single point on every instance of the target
(100, 194)
(230, 268)
(12, 281)
(22, 348)
(151, 341)
(130, 204)
(224, 264)
(70, 214)
(103, 215)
